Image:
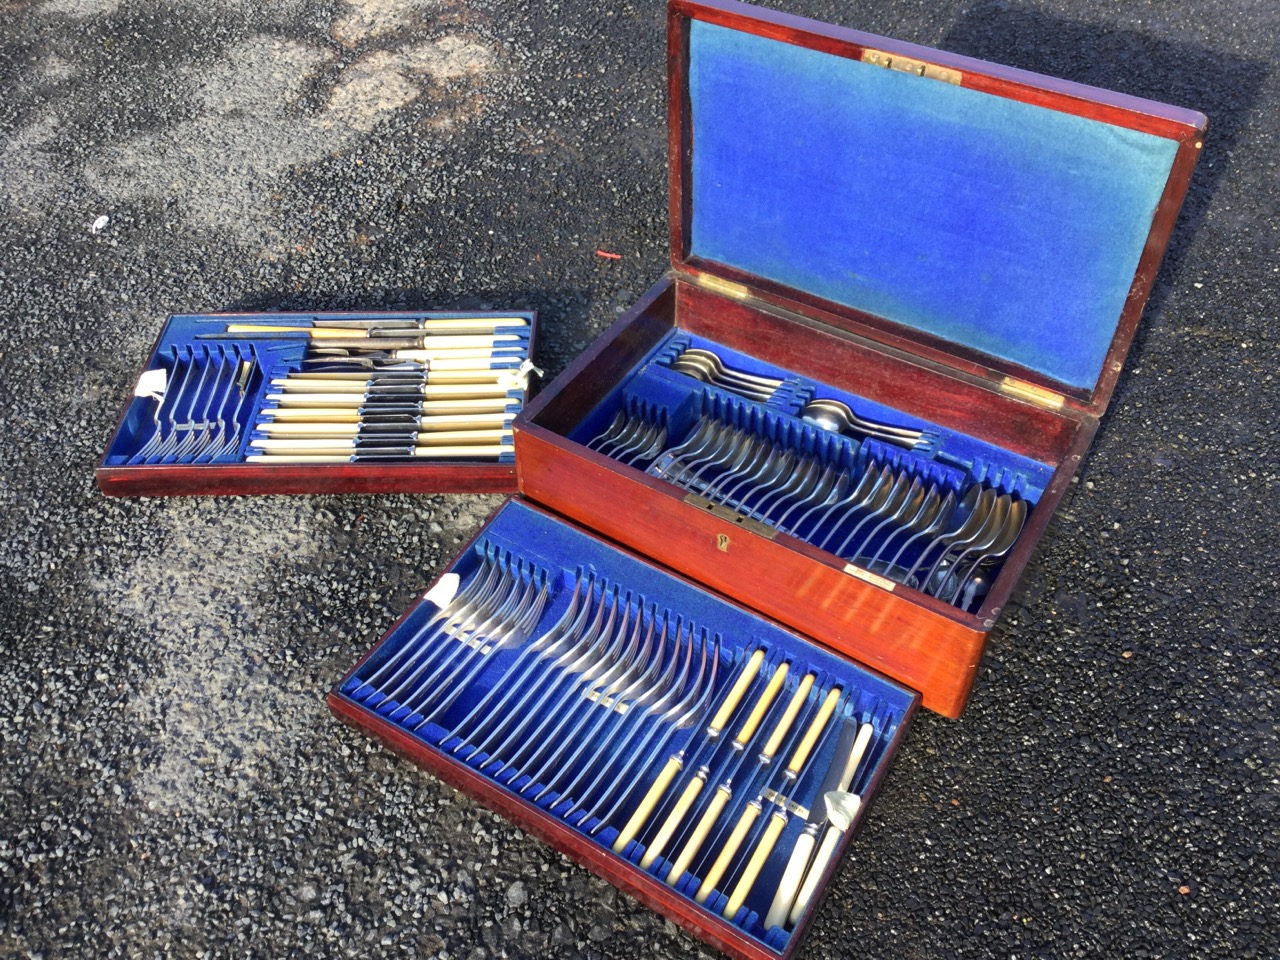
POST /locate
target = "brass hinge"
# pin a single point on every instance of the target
(733, 516)
(1040, 396)
(720, 285)
(917, 68)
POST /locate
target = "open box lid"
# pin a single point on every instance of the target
(997, 222)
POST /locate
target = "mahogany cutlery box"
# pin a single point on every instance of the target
(196, 411)
(957, 252)
(939, 243)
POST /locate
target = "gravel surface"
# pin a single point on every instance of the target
(172, 784)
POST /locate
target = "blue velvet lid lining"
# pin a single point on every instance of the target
(1010, 229)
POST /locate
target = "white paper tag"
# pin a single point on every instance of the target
(152, 383)
(519, 377)
(444, 591)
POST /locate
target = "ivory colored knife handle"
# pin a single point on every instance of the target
(464, 362)
(729, 850)
(476, 452)
(789, 717)
(316, 333)
(855, 756)
(690, 794)
(353, 414)
(789, 885)
(651, 798)
(763, 703)
(815, 730)
(434, 354)
(731, 700)
(364, 384)
(816, 869)
(431, 392)
(699, 835)
(748, 879)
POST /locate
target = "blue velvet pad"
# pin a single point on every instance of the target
(520, 534)
(203, 373)
(1008, 228)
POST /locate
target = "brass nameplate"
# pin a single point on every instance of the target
(873, 578)
(733, 516)
(917, 68)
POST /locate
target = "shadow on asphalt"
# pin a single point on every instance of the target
(1225, 88)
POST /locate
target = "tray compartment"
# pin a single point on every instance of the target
(938, 515)
(581, 685)
(258, 403)
(829, 579)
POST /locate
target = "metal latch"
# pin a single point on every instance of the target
(1040, 396)
(733, 516)
(917, 68)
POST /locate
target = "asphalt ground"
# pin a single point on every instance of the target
(172, 784)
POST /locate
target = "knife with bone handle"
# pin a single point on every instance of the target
(350, 340)
(441, 391)
(409, 410)
(400, 427)
(456, 452)
(360, 381)
(841, 808)
(850, 747)
(322, 328)
(691, 790)
(676, 761)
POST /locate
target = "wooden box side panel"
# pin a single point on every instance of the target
(606, 361)
(904, 639)
(247, 479)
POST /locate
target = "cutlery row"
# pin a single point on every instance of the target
(791, 393)
(695, 755)
(901, 516)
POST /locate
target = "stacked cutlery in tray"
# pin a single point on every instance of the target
(247, 403)
(879, 505)
(905, 500)
(698, 755)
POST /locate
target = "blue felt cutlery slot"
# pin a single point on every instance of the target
(910, 501)
(657, 724)
(287, 389)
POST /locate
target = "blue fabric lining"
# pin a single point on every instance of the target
(180, 348)
(1008, 228)
(520, 532)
